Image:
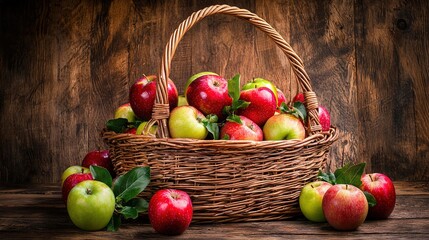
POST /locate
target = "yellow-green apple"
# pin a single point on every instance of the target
(262, 105)
(284, 127)
(142, 96)
(170, 211)
(72, 181)
(310, 200)
(260, 82)
(152, 129)
(90, 205)
(99, 158)
(125, 111)
(209, 94)
(182, 101)
(345, 207)
(72, 170)
(246, 130)
(383, 190)
(281, 98)
(187, 122)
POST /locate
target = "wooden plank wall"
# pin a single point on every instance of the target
(66, 65)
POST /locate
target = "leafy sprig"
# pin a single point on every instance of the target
(120, 125)
(348, 174)
(126, 188)
(237, 103)
(297, 109)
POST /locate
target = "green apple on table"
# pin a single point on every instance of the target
(90, 205)
(310, 200)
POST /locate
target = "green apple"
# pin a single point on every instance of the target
(283, 126)
(90, 205)
(182, 101)
(310, 200)
(187, 122)
(72, 170)
(260, 82)
(195, 76)
(125, 111)
(152, 129)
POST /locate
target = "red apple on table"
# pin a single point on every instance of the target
(99, 158)
(284, 126)
(310, 200)
(170, 211)
(125, 111)
(345, 207)
(142, 96)
(187, 122)
(71, 181)
(262, 105)
(383, 190)
(72, 170)
(247, 130)
(209, 94)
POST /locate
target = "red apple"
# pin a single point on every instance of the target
(281, 98)
(248, 130)
(99, 158)
(299, 98)
(284, 126)
(345, 207)
(143, 93)
(262, 105)
(324, 118)
(209, 94)
(170, 211)
(71, 181)
(383, 190)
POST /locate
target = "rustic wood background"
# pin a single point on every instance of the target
(66, 65)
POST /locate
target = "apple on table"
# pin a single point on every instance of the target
(71, 181)
(310, 200)
(170, 211)
(383, 190)
(72, 170)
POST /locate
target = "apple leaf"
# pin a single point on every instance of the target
(129, 212)
(210, 123)
(234, 88)
(234, 118)
(118, 125)
(101, 174)
(327, 177)
(114, 223)
(350, 174)
(370, 198)
(298, 110)
(139, 204)
(132, 183)
(226, 137)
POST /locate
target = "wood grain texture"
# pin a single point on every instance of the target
(66, 65)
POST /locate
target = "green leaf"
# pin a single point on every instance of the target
(370, 198)
(132, 183)
(118, 125)
(299, 108)
(210, 123)
(327, 177)
(234, 118)
(101, 174)
(234, 87)
(114, 223)
(139, 204)
(129, 212)
(226, 137)
(350, 174)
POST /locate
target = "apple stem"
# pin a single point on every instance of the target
(370, 176)
(88, 191)
(311, 185)
(347, 186)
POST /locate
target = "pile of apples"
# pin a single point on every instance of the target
(345, 206)
(91, 203)
(215, 108)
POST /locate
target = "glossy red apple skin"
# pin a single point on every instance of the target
(209, 94)
(262, 105)
(99, 158)
(324, 118)
(248, 130)
(170, 211)
(281, 98)
(299, 98)
(143, 93)
(383, 190)
(345, 207)
(71, 181)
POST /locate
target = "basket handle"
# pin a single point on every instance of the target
(161, 113)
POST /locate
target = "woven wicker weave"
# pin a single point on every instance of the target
(228, 181)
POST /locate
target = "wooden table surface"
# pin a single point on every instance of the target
(38, 212)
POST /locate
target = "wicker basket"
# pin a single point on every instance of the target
(228, 181)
